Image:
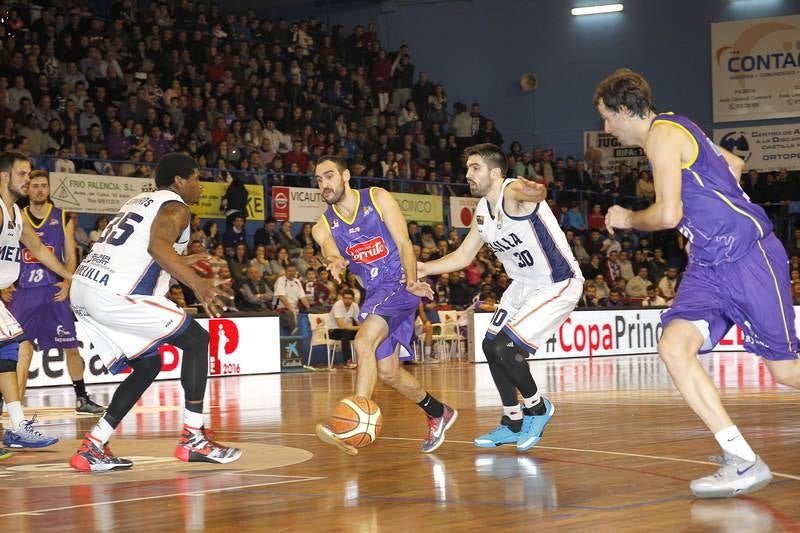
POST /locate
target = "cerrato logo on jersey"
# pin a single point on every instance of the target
(368, 251)
(335, 223)
(367, 209)
(479, 219)
(27, 256)
(506, 243)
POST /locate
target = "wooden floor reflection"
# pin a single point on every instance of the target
(618, 456)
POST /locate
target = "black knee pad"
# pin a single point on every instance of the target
(193, 341)
(6, 365)
(146, 368)
(502, 350)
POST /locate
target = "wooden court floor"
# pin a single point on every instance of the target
(617, 456)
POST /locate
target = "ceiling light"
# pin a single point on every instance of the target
(596, 10)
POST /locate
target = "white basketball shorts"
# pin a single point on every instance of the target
(9, 327)
(125, 326)
(530, 315)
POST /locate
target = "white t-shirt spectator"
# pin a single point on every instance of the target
(291, 289)
(350, 316)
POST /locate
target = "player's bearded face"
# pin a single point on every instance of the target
(332, 190)
(38, 191)
(20, 178)
(478, 176)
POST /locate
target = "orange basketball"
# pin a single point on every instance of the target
(357, 421)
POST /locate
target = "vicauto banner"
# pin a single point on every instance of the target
(238, 345)
(602, 332)
(300, 204)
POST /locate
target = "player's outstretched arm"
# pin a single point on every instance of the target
(665, 144)
(42, 252)
(524, 190)
(458, 259)
(334, 261)
(169, 223)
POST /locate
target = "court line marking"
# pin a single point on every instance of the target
(38, 512)
(557, 448)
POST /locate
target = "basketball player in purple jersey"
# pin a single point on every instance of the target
(15, 170)
(365, 229)
(737, 274)
(41, 308)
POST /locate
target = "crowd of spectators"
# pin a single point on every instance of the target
(258, 101)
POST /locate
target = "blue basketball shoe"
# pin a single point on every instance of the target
(500, 435)
(27, 437)
(533, 427)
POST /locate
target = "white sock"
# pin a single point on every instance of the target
(733, 442)
(15, 414)
(192, 419)
(513, 412)
(426, 350)
(102, 432)
(533, 400)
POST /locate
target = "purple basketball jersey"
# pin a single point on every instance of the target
(718, 217)
(366, 243)
(51, 233)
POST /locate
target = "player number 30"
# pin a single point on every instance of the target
(524, 259)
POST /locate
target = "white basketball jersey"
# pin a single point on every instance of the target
(9, 246)
(119, 260)
(532, 248)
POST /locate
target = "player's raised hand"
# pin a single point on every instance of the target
(420, 288)
(336, 265)
(617, 217)
(207, 292)
(63, 290)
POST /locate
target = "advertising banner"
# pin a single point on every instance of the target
(213, 192)
(300, 204)
(612, 152)
(755, 69)
(766, 148)
(602, 332)
(297, 204)
(461, 211)
(91, 193)
(238, 346)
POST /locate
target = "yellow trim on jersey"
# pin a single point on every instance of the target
(780, 300)
(355, 211)
(730, 204)
(325, 219)
(697, 177)
(374, 203)
(687, 132)
(27, 213)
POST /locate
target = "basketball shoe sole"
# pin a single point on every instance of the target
(327, 436)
